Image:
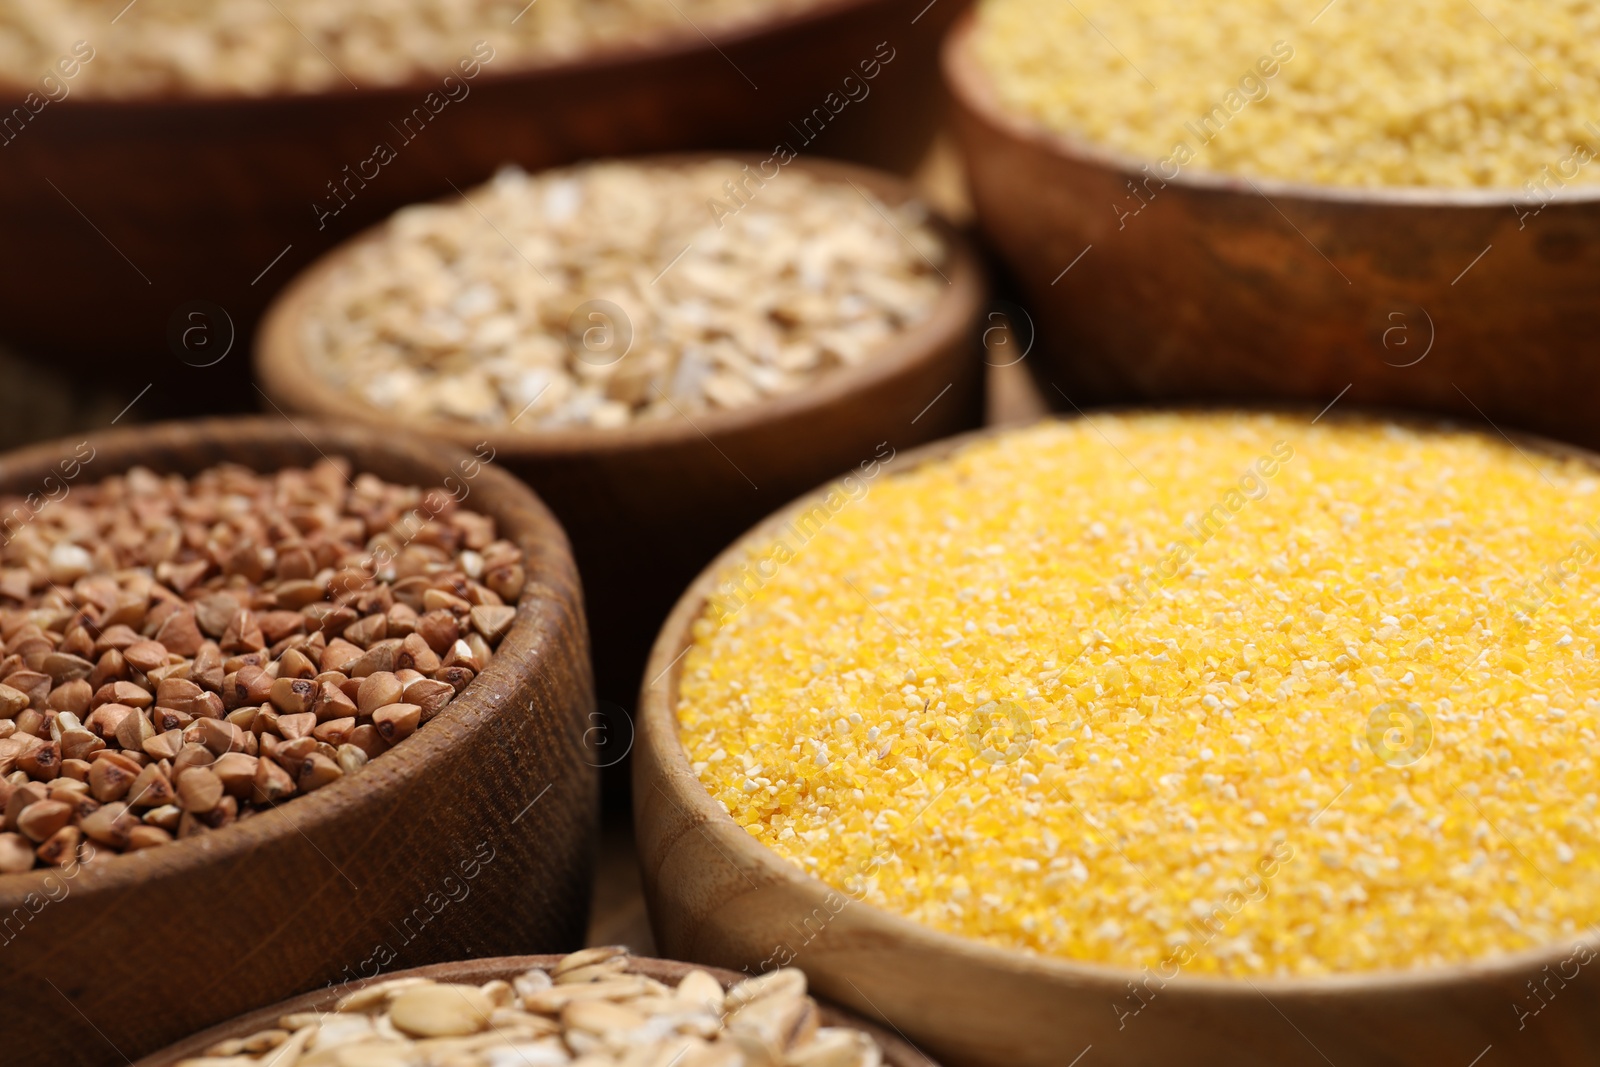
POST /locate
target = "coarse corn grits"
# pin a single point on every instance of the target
(1441, 93)
(1213, 692)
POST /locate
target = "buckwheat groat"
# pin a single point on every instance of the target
(180, 653)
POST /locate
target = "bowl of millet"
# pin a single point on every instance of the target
(1211, 737)
(164, 154)
(665, 348)
(276, 702)
(1258, 202)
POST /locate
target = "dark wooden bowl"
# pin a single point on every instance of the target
(1227, 288)
(648, 505)
(897, 1052)
(135, 951)
(148, 205)
(716, 894)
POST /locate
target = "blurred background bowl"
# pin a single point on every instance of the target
(649, 504)
(120, 218)
(1217, 287)
(494, 799)
(897, 1053)
(718, 895)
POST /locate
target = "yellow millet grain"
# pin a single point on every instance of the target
(1444, 93)
(1176, 772)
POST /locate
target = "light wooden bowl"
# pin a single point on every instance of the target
(137, 950)
(149, 204)
(716, 894)
(1224, 288)
(646, 506)
(897, 1052)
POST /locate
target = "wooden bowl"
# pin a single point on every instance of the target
(151, 205)
(718, 895)
(491, 802)
(648, 505)
(1230, 288)
(897, 1052)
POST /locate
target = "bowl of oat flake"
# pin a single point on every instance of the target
(1253, 200)
(1210, 737)
(665, 348)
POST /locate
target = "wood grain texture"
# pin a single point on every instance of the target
(1228, 288)
(897, 1053)
(715, 894)
(431, 852)
(146, 205)
(648, 505)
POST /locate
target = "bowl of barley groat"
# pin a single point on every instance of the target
(1212, 737)
(665, 348)
(1251, 201)
(598, 1005)
(189, 157)
(279, 705)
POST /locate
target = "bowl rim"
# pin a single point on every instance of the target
(607, 59)
(972, 91)
(676, 780)
(897, 1051)
(286, 377)
(523, 648)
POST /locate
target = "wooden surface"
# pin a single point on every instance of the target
(147, 206)
(715, 894)
(649, 504)
(134, 951)
(1213, 287)
(897, 1052)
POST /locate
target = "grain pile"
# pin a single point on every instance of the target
(589, 1009)
(1220, 693)
(263, 47)
(1361, 93)
(181, 653)
(605, 293)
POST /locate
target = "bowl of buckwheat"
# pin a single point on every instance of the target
(295, 697)
(215, 148)
(597, 1006)
(664, 348)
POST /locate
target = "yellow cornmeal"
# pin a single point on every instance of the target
(1374, 93)
(995, 694)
